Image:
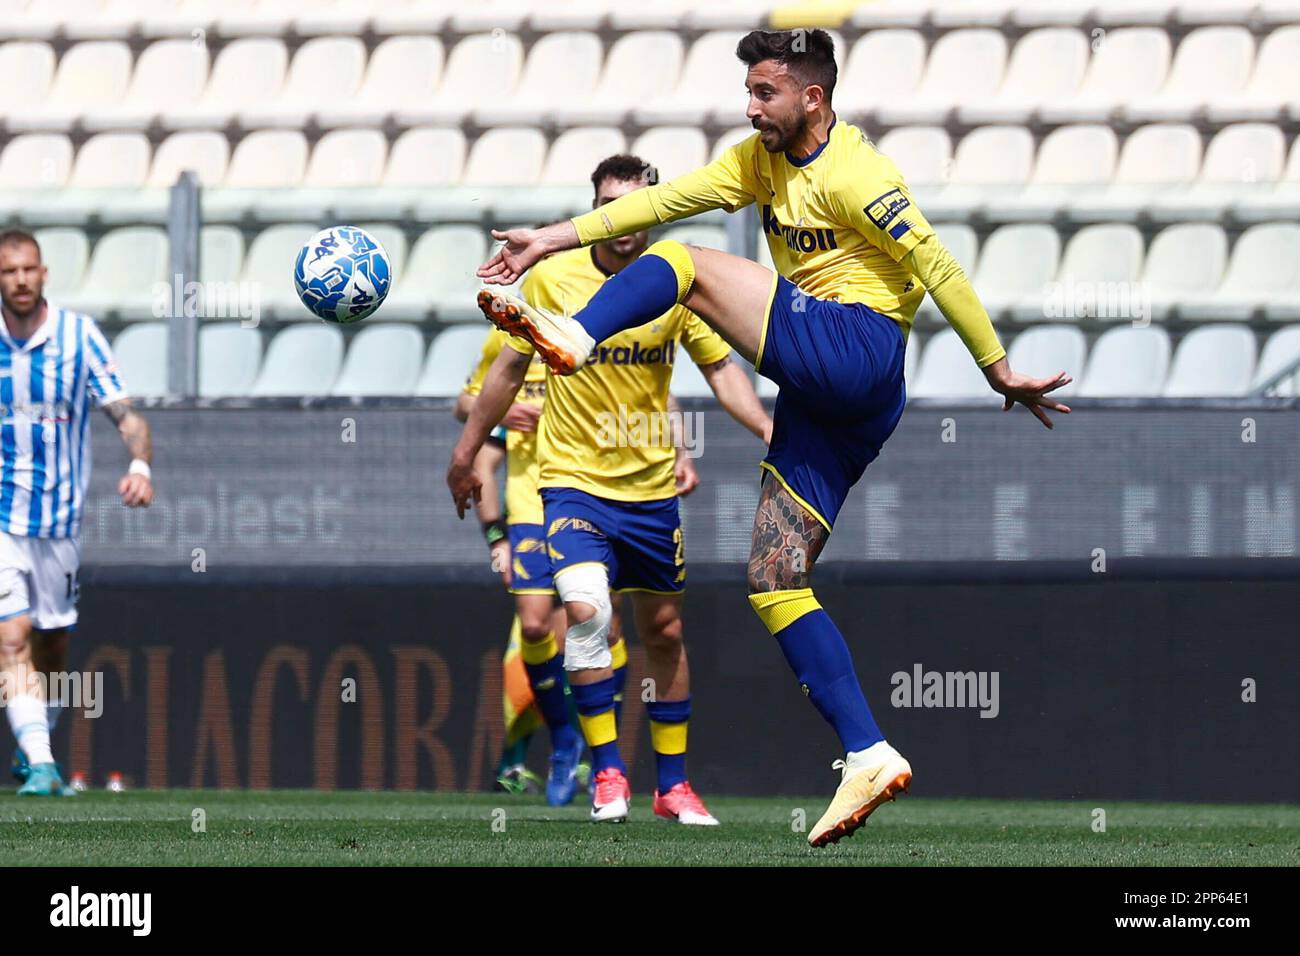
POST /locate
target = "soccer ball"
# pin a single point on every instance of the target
(342, 274)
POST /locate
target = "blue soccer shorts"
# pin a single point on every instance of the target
(529, 563)
(638, 542)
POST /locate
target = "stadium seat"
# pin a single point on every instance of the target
(568, 15)
(245, 73)
(561, 67)
(665, 14)
(733, 136)
(169, 75)
(743, 15)
(268, 159)
(403, 72)
(1184, 263)
(31, 165)
(221, 254)
(707, 87)
(625, 82)
(452, 357)
(688, 381)
(923, 154)
(415, 16)
(301, 360)
(1197, 12)
(507, 156)
(1262, 279)
(335, 18)
(1275, 79)
(110, 19)
(90, 76)
(141, 356)
(1070, 157)
(1130, 63)
(1044, 350)
(203, 152)
(229, 356)
(1209, 61)
(673, 150)
(108, 166)
(960, 240)
(1278, 11)
(991, 164)
(489, 15)
(65, 252)
(1016, 262)
(421, 159)
(1281, 352)
(1098, 276)
(325, 70)
(187, 16)
(1026, 14)
(126, 266)
(964, 66)
(269, 268)
(342, 160)
(382, 359)
(883, 67)
(948, 371)
(440, 276)
(1155, 159)
(481, 68)
(1275, 201)
(576, 152)
(1046, 66)
(893, 13)
(1127, 362)
(1238, 161)
(28, 69)
(1212, 361)
(393, 239)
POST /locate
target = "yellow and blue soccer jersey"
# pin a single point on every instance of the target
(523, 506)
(605, 429)
(838, 222)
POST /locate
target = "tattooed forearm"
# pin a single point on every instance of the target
(133, 427)
(787, 541)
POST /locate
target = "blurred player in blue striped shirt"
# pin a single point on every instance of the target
(53, 363)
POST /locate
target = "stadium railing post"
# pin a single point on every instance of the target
(183, 222)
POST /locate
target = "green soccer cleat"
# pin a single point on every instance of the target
(45, 781)
(518, 780)
(18, 765)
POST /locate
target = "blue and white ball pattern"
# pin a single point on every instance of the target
(342, 274)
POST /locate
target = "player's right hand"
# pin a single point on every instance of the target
(521, 417)
(465, 486)
(521, 250)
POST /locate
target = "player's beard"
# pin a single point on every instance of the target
(27, 308)
(789, 129)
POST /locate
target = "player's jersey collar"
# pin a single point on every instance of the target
(34, 340)
(796, 161)
(598, 267)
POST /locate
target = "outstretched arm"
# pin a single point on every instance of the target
(736, 394)
(136, 486)
(499, 390)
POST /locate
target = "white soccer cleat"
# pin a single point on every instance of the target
(610, 802)
(871, 777)
(682, 804)
(561, 341)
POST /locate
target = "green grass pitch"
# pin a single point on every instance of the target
(305, 828)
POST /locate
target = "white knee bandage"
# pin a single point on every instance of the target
(586, 645)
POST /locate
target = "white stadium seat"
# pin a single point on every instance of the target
(1262, 279)
(266, 18)
(1210, 61)
(948, 371)
(1184, 263)
(440, 275)
(733, 136)
(414, 16)
(991, 164)
(673, 150)
(576, 152)
(33, 161)
(1099, 273)
(65, 252)
(1069, 157)
(141, 355)
(335, 17)
(221, 254)
(105, 164)
(626, 82)
(382, 359)
(893, 13)
(269, 267)
(561, 67)
(89, 77)
(1238, 161)
(1196, 12)
(568, 15)
(481, 68)
(264, 160)
(1016, 262)
(325, 70)
(923, 154)
(665, 14)
(206, 153)
(1128, 63)
(1213, 361)
(452, 357)
(1155, 159)
(169, 75)
(506, 156)
(245, 73)
(229, 357)
(125, 267)
(1280, 200)
(1281, 352)
(1044, 350)
(709, 86)
(402, 73)
(28, 69)
(883, 67)
(964, 66)
(1274, 81)
(421, 159)
(301, 360)
(342, 160)
(1046, 66)
(1127, 362)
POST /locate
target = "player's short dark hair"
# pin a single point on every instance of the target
(809, 55)
(624, 168)
(18, 237)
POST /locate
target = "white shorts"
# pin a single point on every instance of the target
(38, 576)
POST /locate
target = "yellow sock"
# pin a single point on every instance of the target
(679, 259)
(541, 651)
(779, 609)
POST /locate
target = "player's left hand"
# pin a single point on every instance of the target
(464, 485)
(687, 478)
(1023, 390)
(136, 491)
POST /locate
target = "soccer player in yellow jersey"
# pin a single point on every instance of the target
(607, 475)
(854, 257)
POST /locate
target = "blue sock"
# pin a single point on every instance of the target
(668, 722)
(548, 683)
(644, 290)
(820, 659)
(595, 703)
